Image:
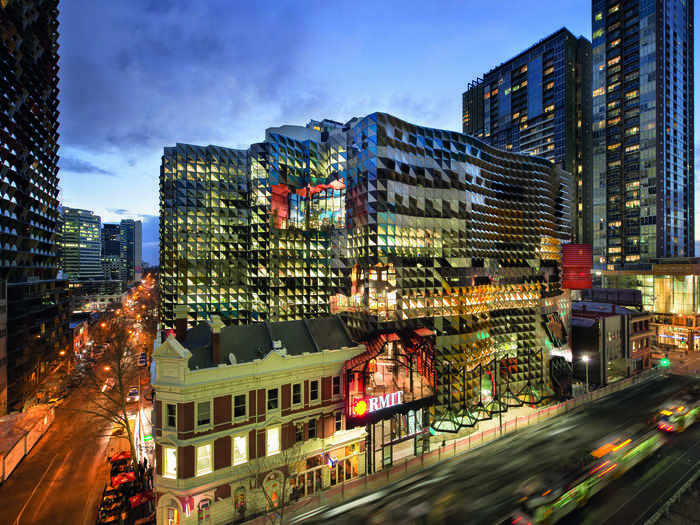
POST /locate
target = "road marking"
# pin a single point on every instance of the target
(35, 489)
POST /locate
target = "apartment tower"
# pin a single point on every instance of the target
(643, 139)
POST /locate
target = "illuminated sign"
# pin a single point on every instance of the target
(361, 406)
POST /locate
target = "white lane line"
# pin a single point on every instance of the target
(35, 489)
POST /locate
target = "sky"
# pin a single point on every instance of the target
(139, 75)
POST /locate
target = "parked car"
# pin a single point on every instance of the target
(133, 395)
(143, 360)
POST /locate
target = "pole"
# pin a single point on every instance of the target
(586, 376)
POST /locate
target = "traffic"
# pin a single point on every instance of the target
(540, 475)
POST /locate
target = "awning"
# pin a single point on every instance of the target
(124, 454)
(142, 498)
(124, 477)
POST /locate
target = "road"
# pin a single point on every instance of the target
(61, 480)
(480, 486)
(647, 486)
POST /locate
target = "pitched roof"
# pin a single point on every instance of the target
(254, 341)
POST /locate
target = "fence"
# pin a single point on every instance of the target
(20, 434)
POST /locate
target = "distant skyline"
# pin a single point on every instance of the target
(137, 76)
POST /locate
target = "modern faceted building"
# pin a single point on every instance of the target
(81, 245)
(539, 103)
(393, 225)
(37, 303)
(643, 132)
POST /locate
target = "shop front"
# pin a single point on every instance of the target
(387, 389)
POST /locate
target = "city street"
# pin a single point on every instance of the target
(61, 480)
(480, 486)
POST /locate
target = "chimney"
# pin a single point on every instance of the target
(216, 325)
(180, 322)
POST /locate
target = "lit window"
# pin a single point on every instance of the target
(549, 108)
(598, 17)
(169, 462)
(299, 432)
(615, 43)
(240, 449)
(203, 459)
(631, 94)
(273, 441)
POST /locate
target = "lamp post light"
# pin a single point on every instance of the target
(585, 360)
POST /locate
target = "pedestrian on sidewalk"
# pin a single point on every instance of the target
(150, 477)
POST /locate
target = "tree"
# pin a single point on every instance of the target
(276, 479)
(106, 402)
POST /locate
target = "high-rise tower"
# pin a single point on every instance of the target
(80, 244)
(539, 103)
(38, 306)
(643, 139)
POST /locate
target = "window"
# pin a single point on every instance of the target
(336, 385)
(312, 428)
(299, 428)
(338, 421)
(273, 399)
(240, 449)
(239, 406)
(314, 390)
(203, 410)
(203, 459)
(273, 441)
(169, 462)
(296, 394)
(171, 411)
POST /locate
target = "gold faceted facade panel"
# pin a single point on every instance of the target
(392, 225)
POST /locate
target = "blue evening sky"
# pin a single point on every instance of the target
(140, 75)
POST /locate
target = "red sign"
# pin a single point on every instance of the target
(361, 406)
(577, 261)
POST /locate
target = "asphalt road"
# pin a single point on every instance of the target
(61, 480)
(636, 497)
(480, 486)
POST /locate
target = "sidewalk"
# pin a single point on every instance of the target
(19, 433)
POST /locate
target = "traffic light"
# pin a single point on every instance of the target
(665, 361)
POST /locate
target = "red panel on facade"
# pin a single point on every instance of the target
(222, 452)
(159, 415)
(251, 444)
(286, 396)
(222, 409)
(326, 383)
(577, 261)
(252, 397)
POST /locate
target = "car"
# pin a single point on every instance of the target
(143, 360)
(133, 395)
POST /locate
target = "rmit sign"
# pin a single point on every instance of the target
(363, 406)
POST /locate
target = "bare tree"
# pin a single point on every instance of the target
(277, 479)
(106, 387)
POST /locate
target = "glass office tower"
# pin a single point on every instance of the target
(392, 225)
(539, 103)
(81, 244)
(643, 138)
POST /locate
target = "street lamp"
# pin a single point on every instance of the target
(585, 360)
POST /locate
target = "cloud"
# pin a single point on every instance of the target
(179, 71)
(119, 211)
(75, 165)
